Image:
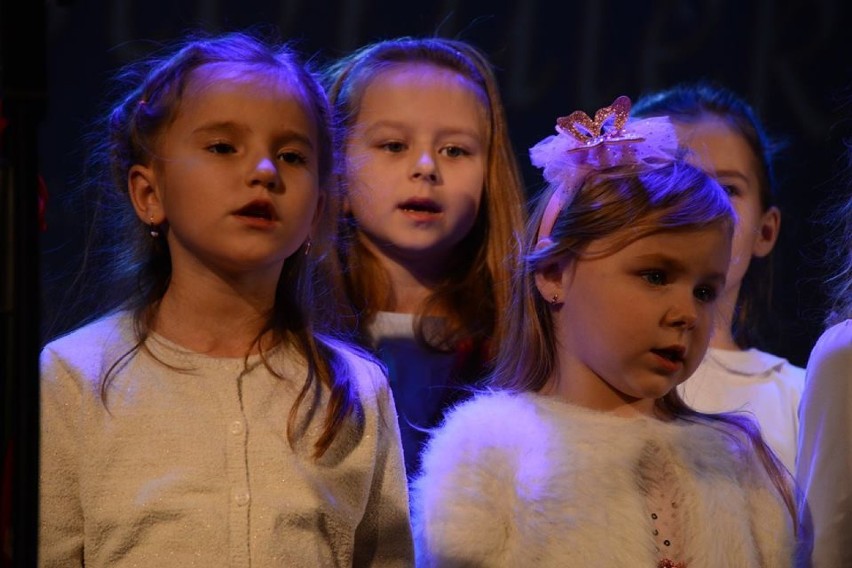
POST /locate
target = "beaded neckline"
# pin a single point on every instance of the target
(660, 480)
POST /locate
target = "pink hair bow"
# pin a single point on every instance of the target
(583, 145)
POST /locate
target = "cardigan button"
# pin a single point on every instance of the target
(241, 498)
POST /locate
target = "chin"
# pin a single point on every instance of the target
(659, 391)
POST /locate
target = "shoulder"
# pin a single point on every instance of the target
(111, 325)
(753, 362)
(786, 376)
(364, 370)
(350, 352)
(829, 370)
(83, 356)
(489, 427)
(108, 337)
(834, 347)
(725, 446)
(491, 417)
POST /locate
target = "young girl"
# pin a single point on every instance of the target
(582, 454)
(213, 418)
(726, 139)
(433, 205)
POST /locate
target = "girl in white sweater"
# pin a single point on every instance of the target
(214, 419)
(582, 454)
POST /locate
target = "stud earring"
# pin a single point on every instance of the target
(554, 299)
(153, 229)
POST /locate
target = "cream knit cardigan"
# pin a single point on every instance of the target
(188, 462)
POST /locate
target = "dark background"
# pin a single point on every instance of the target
(791, 60)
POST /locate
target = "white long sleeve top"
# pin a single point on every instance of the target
(764, 385)
(824, 466)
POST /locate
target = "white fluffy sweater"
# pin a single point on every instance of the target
(528, 480)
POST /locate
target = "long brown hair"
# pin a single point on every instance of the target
(475, 290)
(140, 266)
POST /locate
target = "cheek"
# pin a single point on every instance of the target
(314, 200)
(467, 197)
(359, 167)
(356, 171)
(747, 227)
(706, 320)
(701, 335)
(362, 201)
(741, 252)
(585, 308)
(187, 168)
(365, 178)
(301, 207)
(467, 208)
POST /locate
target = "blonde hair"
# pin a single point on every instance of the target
(476, 290)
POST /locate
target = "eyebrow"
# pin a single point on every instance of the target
(404, 126)
(670, 263)
(731, 174)
(230, 125)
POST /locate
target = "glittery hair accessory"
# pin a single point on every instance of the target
(583, 145)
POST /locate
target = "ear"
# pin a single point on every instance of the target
(145, 195)
(770, 225)
(548, 279)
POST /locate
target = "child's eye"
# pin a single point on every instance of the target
(454, 151)
(655, 277)
(291, 157)
(731, 190)
(393, 147)
(705, 293)
(221, 148)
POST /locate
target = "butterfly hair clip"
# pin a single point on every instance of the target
(583, 145)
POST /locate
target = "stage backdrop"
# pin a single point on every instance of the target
(790, 59)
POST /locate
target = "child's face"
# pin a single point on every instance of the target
(415, 162)
(635, 323)
(236, 174)
(724, 153)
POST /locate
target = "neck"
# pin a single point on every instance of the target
(723, 337)
(411, 282)
(212, 316)
(409, 293)
(575, 383)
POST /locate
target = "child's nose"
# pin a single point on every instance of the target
(425, 167)
(264, 173)
(683, 314)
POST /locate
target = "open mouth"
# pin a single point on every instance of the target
(257, 210)
(673, 354)
(420, 206)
